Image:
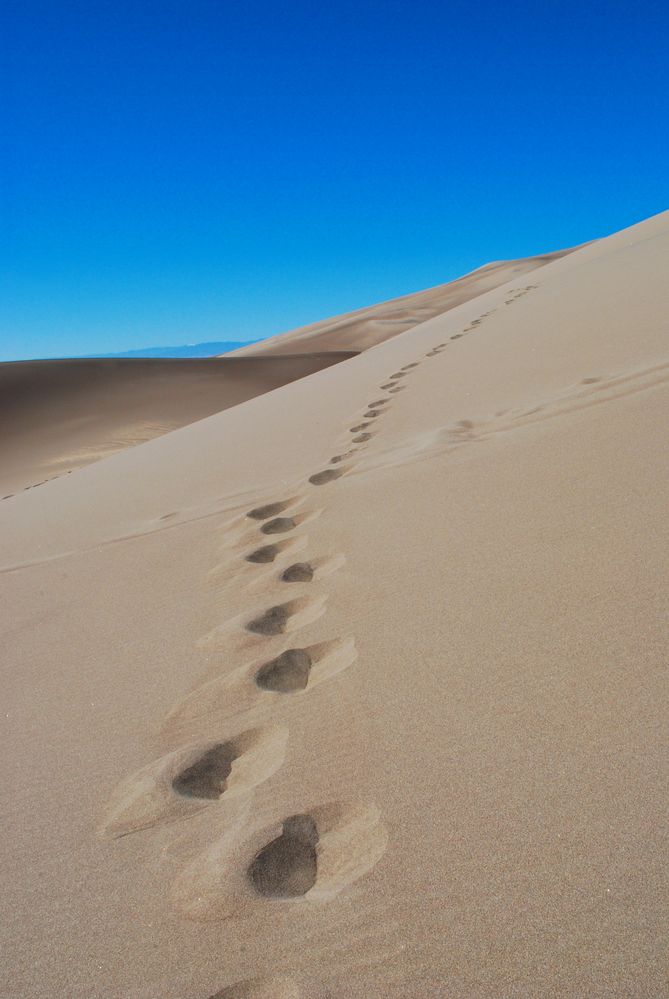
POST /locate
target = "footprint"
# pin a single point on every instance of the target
(378, 402)
(279, 525)
(358, 428)
(287, 617)
(341, 457)
(398, 374)
(328, 475)
(456, 336)
(590, 381)
(305, 857)
(398, 388)
(362, 438)
(372, 414)
(407, 367)
(287, 867)
(186, 781)
(298, 572)
(260, 988)
(270, 509)
(268, 553)
(262, 555)
(240, 691)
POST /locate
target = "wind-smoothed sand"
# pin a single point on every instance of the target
(358, 688)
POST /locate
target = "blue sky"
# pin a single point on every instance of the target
(186, 171)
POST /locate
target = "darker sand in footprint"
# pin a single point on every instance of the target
(279, 525)
(287, 867)
(328, 475)
(206, 778)
(287, 673)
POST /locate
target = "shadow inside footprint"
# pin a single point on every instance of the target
(278, 526)
(207, 777)
(360, 426)
(378, 402)
(287, 867)
(269, 510)
(287, 673)
(265, 554)
(362, 438)
(340, 457)
(406, 367)
(299, 572)
(320, 478)
(272, 622)
(371, 414)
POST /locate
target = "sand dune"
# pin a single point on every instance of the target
(374, 324)
(62, 415)
(357, 688)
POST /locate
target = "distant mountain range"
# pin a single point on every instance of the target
(185, 350)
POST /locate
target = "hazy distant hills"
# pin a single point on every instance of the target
(185, 350)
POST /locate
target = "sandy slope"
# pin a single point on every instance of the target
(375, 324)
(467, 744)
(61, 415)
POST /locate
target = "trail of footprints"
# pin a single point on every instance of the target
(307, 856)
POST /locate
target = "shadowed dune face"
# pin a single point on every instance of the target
(62, 415)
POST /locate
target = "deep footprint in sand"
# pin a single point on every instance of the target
(279, 525)
(286, 617)
(263, 555)
(298, 572)
(358, 428)
(288, 866)
(287, 673)
(269, 510)
(328, 475)
(188, 780)
(407, 367)
(207, 777)
(378, 402)
(371, 414)
(362, 438)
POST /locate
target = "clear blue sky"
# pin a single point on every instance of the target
(219, 170)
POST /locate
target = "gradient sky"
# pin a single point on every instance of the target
(186, 171)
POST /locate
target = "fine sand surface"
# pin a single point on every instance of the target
(61, 415)
(358, 688)
(374, 324)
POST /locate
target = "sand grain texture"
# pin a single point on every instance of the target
(440, 769)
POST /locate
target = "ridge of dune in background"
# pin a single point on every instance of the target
(366, 327)
(437, 700)
(61, 415)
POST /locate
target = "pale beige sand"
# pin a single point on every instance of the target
(470, 746)
(374, 324)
